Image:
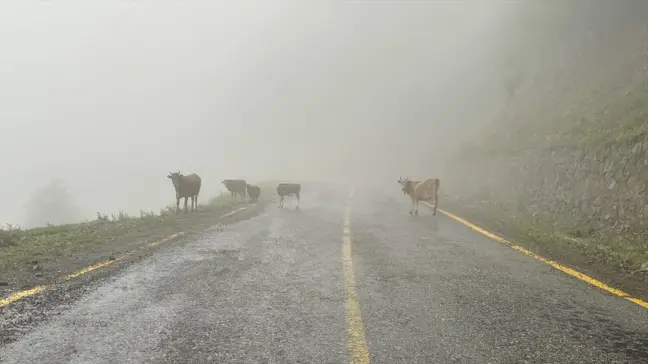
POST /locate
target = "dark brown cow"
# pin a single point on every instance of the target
(288, 189)
(235, 186)
(253, 192)
(427, 191)
(185, 187)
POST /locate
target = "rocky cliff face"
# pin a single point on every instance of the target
(602, 190)
(571, 144)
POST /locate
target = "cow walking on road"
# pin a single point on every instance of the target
(288, 189)
(253, 192)
(186, 187)
(236, 186)
(427, 191)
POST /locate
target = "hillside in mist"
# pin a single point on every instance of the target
(565, 157)
(577, 75)
(111, 97)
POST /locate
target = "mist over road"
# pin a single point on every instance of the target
(271, 289)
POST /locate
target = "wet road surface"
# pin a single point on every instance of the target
(272, 289)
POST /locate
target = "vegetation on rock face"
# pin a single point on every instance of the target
(578, 78)
(567, 160)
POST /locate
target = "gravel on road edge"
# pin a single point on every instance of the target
(20, 317)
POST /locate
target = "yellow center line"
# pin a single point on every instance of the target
(357, 344)
(556, 265)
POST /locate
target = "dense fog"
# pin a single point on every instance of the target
(109, 97)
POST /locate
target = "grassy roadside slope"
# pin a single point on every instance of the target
(562, 170)
(41, 255)
(618, 258)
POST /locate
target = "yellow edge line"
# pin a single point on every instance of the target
(34, 290)
(357, 344)
(22, 294)
(17, 296)
(164, 240)
(235, 211)
(560, 267)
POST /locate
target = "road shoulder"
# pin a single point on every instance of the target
(21, 316)
(549, 243)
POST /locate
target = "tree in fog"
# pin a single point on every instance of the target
(52, 204)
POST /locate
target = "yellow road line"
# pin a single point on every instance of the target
(235, 211)
(357, 345)
(92, 267)
(560, 267)
(22, 294)
(165, 239)
(34, 290)
(17, 296)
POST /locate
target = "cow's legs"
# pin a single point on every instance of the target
(412, 208)
(436, 203)
(416, 211)
(193, 201)
(177, 204)
(280, 201)
(185, 204)
(297, 195)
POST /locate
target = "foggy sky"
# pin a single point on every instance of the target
(111, 96)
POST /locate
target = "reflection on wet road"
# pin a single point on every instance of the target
(275, 289)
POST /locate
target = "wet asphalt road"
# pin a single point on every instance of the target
(271, 290)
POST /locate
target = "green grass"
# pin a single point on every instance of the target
(21, 248)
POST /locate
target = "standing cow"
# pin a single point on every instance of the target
(288, 189)
(186, 187)
(253, 192)
(427, 190)
(236, 186)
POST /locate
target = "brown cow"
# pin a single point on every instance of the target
(427, 191)
(288, 189)
(185, 187)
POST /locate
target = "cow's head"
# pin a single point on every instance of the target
(404, 182)
(175, 178)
